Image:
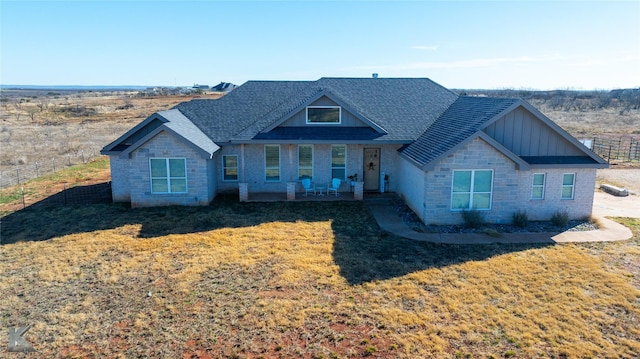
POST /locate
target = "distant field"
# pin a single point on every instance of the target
(55, 128)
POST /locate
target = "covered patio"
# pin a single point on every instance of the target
(293, 193)
(299, 197)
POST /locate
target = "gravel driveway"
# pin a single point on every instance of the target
(628, 178)
(610, 205)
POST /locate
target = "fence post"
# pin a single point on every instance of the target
(82, 156)
(22, 192)
(37, 170)
(18, 173)
(54, 165)
(609, 157)
(618, 149)
(69, 159)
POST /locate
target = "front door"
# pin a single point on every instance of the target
(371, 169)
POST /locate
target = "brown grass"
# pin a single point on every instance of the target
(305, 280)
(16, 197)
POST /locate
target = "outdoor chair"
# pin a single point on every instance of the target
(333, 187)
(308, 187)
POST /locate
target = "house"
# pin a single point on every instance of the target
(442, 153)
(201, 88)
(223, 87)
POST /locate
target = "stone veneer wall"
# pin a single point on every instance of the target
(120, 189)
(511, 188)
(165, 145)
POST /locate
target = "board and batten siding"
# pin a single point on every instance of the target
(525, 135)
(300, 118)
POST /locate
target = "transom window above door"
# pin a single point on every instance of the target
(324, 114)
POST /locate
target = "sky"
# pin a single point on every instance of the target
(541, 45)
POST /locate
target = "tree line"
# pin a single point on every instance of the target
(622, 100)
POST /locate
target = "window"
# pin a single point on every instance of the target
(339, 161)
(230, 168)
(168, 175)
(537, 188)
(471, 189)
(272, 163)
(568, 183)
(305, 162)
(324, 114)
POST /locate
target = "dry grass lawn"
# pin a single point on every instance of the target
(310, 280)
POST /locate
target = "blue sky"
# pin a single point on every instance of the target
(535, 45)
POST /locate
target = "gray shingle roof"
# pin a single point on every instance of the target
(462, 119)
(222, 118)
(182, 126)
(404, 108)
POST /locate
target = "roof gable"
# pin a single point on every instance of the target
(470, 117)
(399, 109)
(460, 121)
(172, 121)
(134, 134)
(322, 97)
(530, 134)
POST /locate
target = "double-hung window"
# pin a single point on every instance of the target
(272, 163)
(471, 189)
(229, 168)
(537, 188)
(339, 161)
(168, 175)
(305, 162)
(568, 185)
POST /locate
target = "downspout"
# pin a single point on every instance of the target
(290, 162)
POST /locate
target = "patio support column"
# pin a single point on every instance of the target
(242, 177)
(244, 191)
(358, 191)
(291, 191)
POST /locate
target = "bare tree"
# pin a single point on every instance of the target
(43, 105)
(31, 111)
(18, 110)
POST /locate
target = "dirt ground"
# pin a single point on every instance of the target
(611, 205)
(628, 178)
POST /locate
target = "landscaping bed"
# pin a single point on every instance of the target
(414, 222)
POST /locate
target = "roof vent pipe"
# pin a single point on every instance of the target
(374, 75)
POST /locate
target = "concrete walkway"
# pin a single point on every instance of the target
(609, 230)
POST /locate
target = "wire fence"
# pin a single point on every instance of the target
(625, 149)
(25, 172)
(63, 194)
(60, 194)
